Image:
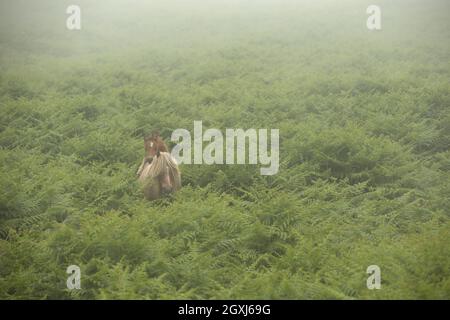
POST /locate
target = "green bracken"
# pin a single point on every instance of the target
(364, 179)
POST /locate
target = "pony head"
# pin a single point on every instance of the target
(153, 145)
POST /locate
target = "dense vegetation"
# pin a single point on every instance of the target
(364, 125)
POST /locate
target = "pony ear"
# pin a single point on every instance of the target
(155, 134)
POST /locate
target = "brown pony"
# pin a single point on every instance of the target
(158, 171)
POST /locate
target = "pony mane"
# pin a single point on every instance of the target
(164, 164)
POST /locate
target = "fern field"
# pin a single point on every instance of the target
(364, 122)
